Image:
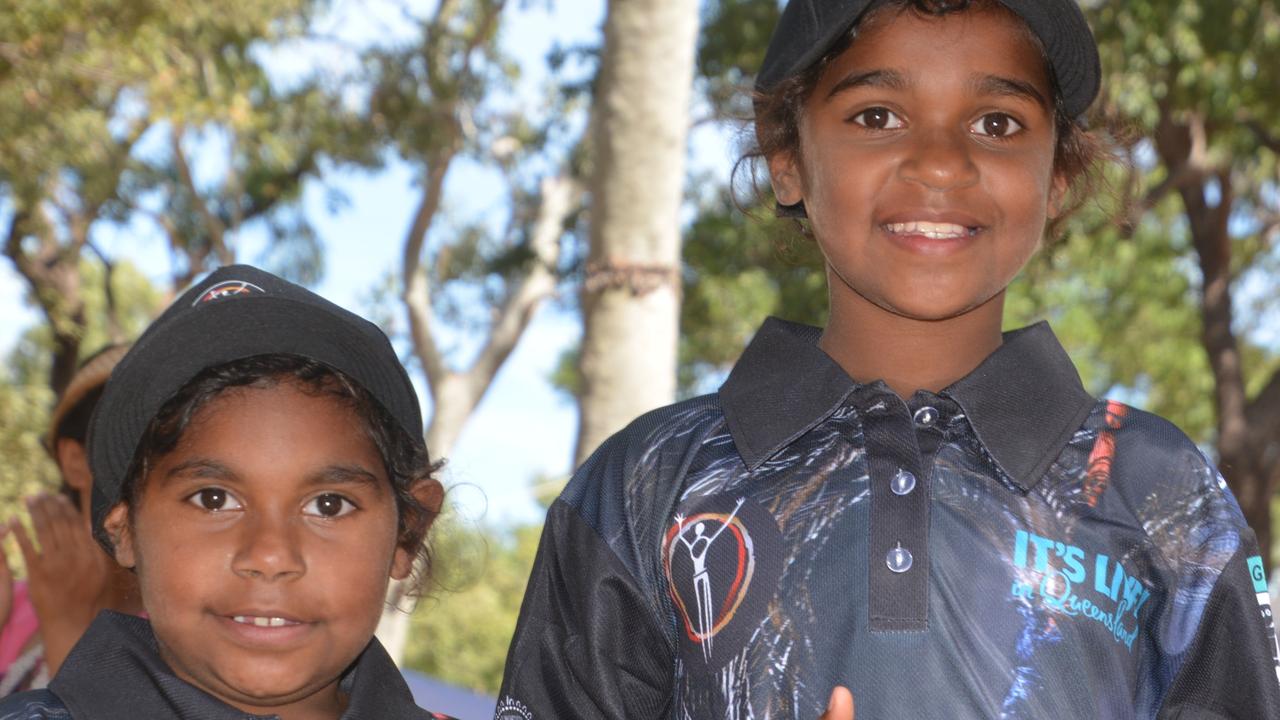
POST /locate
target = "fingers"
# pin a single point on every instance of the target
(840, 706)
(54, 521)
(29, 554)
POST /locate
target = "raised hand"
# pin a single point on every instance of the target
(840, 706)
(66, 576)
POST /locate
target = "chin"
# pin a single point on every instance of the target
(925, 309)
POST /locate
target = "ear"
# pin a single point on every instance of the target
(1057, 194)
(117, 526)
(430, 494)
(73, 461)
(784, 175)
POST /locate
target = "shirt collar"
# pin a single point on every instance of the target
(1024, 401)
(115, 671)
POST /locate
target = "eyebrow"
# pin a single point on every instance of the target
(1008, 87)
(205, 468)
(201, 468)
(980, 85)
(891, 79)
(345, 475)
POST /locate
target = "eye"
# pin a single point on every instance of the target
(214, 499)
(878, 118)
(329, 505)
(996, 125)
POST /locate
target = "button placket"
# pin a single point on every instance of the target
(898, 563)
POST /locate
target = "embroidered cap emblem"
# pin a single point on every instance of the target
(720, 580)
(227, 288)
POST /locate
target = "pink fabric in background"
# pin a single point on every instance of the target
(18, 630)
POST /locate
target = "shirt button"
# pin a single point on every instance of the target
(903, 483)
(926, 416)
(898, 559)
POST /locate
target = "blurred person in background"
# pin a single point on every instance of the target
(69, 577)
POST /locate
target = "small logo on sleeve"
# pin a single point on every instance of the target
(1258, 575)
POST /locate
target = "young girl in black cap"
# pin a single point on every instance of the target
(258, 461)
(908, 502)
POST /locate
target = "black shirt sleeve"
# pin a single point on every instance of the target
(587, 644)
(1232, 669)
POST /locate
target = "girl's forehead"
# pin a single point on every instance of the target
(280, 426)
(810, 32)
(904, 47)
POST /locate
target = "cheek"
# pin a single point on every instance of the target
(1028, 183)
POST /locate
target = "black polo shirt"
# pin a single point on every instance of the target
(115, 672)
(1008, 547)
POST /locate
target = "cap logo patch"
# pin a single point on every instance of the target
(227, 288)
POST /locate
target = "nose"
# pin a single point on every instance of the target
(939, 159)
(269, 548)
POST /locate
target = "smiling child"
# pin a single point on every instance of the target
(909, 502)
(258, 462)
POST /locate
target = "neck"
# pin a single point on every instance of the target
(121, 593)
(908, 354)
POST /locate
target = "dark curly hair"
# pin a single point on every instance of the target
(404, 457)
(777, 115)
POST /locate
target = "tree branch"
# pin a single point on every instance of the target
(558, 197)
(114, 331)
(1263, 412)
(1265, 136)
(216, 228)
(416, 290)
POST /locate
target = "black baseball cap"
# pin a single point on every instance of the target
(809, 28)
(235, 312)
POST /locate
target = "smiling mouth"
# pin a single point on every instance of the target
(264, 622)
(932, 230)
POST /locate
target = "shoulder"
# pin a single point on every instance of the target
(642, 463)
(1152, 454)
(622, 493)
(1177, 494)
(647, 439)
(33, 705)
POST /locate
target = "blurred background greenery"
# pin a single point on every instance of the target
(208, 120)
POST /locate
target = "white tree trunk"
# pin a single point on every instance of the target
(631, 297)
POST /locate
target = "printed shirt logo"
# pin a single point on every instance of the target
(1067, 580)
(227, 288)
(1258, 575)
(721, 575)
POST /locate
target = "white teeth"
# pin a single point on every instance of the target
(932, 230)
(260, 621)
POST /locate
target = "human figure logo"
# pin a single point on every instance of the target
(714, 571)
(705, 629)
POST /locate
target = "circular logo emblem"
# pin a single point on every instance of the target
(722, 561)
(228, 288)
(511, 709)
